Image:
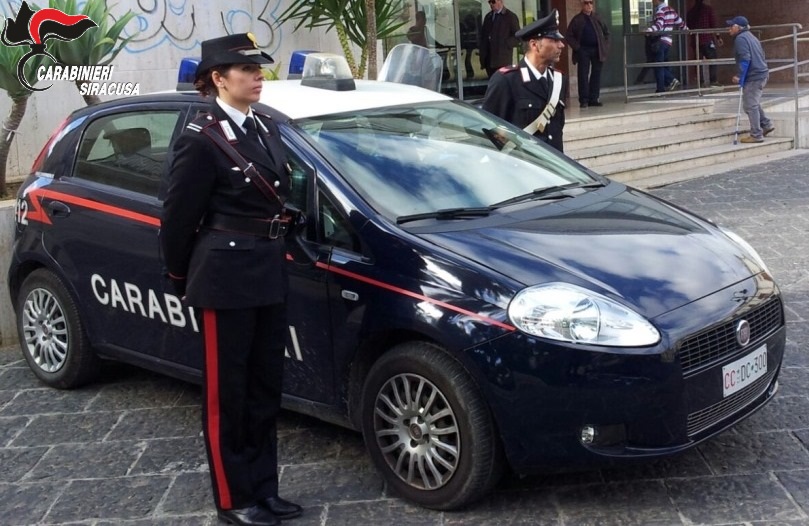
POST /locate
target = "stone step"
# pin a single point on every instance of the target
(640, 131)
(656, 181)
(668, 140)
(634, 114)
(657, 165)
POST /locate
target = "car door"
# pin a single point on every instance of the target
(308, 372)
(106, 216)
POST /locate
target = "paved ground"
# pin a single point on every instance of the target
(128, 450)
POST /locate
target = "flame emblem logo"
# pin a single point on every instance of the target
(34, 28)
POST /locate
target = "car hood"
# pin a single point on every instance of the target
(624, 244)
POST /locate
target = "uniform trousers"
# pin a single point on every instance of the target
(243, 374)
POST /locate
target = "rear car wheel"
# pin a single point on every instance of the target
(51, 334)
(427, 428)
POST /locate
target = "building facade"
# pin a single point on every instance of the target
(165, 31)
(455, 26)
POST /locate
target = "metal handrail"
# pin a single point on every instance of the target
(789, 63)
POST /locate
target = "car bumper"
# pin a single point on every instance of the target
(637, 402)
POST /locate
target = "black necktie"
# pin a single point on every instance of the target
(252, 132)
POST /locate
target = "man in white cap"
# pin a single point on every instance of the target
(752, 77)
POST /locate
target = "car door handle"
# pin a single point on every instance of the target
(58, 209)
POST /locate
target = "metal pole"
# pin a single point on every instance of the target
(795, 85)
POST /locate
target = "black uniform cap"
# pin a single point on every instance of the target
(547, 27)
(240, 48)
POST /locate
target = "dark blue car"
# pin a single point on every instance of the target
(466, 297)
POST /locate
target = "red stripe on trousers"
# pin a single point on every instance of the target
(212, 397)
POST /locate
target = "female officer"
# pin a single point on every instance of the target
(222, 240)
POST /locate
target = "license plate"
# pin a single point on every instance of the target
(744, 371)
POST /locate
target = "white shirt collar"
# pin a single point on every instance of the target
(237, 116)
(536, 72)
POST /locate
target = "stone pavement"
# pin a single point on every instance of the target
(128, 450)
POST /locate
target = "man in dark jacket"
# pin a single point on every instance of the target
(497, 37)
(588, 37)
(529, 95)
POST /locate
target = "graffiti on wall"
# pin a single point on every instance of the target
(183, 24)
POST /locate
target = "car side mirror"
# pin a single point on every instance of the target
(297, 245)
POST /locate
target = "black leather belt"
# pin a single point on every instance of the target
(269, 228)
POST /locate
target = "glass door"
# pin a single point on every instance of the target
(452, 29)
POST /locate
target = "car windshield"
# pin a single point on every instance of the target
(438, 156)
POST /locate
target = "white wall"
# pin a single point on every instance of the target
(163, 35)
(8, 331)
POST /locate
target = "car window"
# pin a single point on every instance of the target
(333, 229)
(127, 150)
(438, 155)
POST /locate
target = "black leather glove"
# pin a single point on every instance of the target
(178, 284)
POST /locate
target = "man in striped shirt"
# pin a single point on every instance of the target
(666, 19)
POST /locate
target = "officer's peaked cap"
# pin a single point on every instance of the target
(547, 27)
(240, 48)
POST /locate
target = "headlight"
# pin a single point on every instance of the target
(565, 312)
(736, 238)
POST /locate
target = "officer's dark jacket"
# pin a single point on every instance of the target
(511, 98)
(224, 269)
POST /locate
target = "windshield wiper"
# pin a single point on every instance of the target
(549, 192)
(446, 213)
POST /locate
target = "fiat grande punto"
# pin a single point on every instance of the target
(466, 297)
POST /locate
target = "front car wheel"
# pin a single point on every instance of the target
(427, 428)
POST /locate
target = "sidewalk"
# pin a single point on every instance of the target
(128, 450)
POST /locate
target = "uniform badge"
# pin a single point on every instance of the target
(525, 76)
(228, 131)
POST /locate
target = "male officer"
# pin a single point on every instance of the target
(529, 95)
(222, 238)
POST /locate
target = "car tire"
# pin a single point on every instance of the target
(445, 461)
(51, 333)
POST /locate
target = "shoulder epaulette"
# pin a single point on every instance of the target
(509, 69)
(203, 121)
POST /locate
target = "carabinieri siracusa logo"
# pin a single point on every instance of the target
(34, 28)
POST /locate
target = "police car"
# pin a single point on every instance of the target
(466, 297)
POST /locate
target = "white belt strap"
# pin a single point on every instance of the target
(550, 109)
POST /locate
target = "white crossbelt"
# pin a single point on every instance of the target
(550, 110)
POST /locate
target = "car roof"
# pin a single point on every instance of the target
(299, 102)
(289, 100)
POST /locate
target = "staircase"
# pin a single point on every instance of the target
(654, 143)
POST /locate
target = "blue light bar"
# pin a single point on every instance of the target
(185, 76)
(296, 62)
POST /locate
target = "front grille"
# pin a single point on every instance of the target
(719, 342)
(701, 420)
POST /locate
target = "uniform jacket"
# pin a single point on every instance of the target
(497, 40)
(576, 28)
(519, 102)
(224, 269)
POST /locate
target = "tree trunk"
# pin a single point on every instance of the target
(18, 106)
(88, 99)
(370, 12)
